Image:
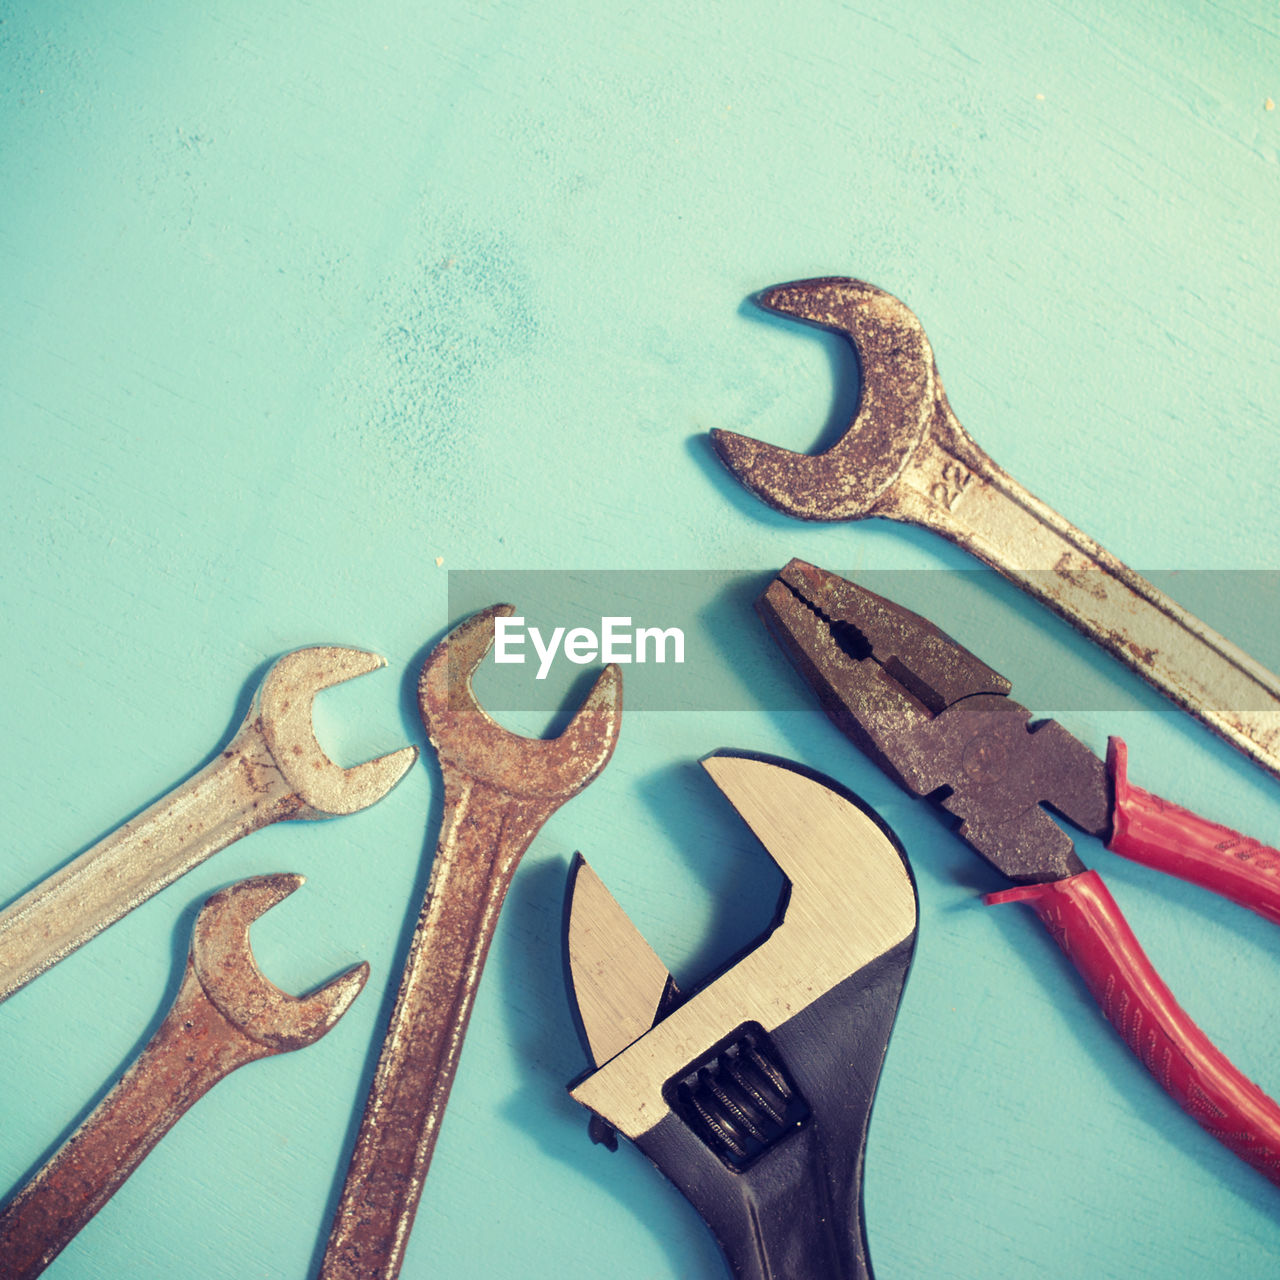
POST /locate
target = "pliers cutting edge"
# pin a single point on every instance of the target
(940, 723)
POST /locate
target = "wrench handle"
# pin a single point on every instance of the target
(483, 835)
(951, 486)
(192, 1049)
(1163, 835)
(1083, 919)
(238, 792)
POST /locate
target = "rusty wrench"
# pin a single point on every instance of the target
(273, 769)
(906, 457)
(499, 788)
(225, 1015)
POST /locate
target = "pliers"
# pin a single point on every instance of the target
(940, 722)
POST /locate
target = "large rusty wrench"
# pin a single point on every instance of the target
(273, 769)
(906, 457)
(499, 788)
(225, 1015)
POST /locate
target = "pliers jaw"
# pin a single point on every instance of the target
(939, 722)
(881, 672)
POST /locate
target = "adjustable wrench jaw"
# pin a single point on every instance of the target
(940, 722)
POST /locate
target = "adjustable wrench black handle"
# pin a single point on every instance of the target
(794, 1211)
(774, 1222)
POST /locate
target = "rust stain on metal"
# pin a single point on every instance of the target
(940, 722)
(273, 770)
(499, 788)
(906, 457)
(225, 1015)
(892, 419)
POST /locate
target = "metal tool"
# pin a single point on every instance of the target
(906, 457)
(272, 770)
(753, 1094)
(225, 1015)
(940, 723)
(499, 788)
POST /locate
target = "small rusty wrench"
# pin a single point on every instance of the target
(272, 770)
(906, 457)
(225, 1015)
(499, 788)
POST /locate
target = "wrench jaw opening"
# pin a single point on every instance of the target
(897, 402)
(222, 961)
(471, 743)
(282, 715)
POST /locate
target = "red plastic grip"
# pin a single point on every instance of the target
(1083, 919)
(1165, 836)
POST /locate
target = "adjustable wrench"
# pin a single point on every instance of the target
(906, 457)
(272, 770)
(753, 1093)
(225, 1015)
(499, 788)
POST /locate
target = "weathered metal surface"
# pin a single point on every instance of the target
(271, 771)
(906, 457)
(938, 720)
(225, 1014)
(499, 788)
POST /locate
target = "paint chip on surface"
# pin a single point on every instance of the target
(1269, 105)
(439, 561)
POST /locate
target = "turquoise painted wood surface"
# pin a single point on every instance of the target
(306, 307)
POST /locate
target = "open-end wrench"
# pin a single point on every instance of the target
(225, 1015)
(272, 770)
(906, 457)
(499, 788)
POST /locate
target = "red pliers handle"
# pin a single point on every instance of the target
(1084, 920)
(1180, 843)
